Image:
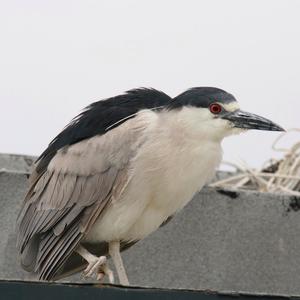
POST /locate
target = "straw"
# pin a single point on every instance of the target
(276, 176)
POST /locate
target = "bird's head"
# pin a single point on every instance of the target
(218, 112)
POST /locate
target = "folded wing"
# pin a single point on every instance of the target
(74, 190)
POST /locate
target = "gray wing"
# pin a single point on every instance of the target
(64, 202)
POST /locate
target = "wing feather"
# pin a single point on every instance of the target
(80, 181)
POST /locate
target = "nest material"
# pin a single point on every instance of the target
(278, 176)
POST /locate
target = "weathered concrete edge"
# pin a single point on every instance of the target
(16, 162)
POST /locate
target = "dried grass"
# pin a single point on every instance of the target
(276, 176)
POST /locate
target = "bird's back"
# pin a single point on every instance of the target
(75, 177)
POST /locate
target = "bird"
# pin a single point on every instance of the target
(121, 169)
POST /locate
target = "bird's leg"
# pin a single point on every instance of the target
(96, 265)
(114, 252)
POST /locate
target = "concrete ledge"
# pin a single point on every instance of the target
(16, 162)
(225, 241)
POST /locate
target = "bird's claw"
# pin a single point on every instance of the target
(107, 271)
(98, 266)
(94, 266)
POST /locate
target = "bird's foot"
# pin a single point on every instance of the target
(105, 270)
(96, 265)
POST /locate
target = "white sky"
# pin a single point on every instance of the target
(58, 56)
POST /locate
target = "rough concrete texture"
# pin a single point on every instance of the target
(15, 162)
(243, 241)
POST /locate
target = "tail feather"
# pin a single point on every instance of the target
(30, 253)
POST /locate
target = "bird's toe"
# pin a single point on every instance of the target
(100, 276)
(94, 267)
(107, 271)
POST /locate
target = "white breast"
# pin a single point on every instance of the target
(170, 168)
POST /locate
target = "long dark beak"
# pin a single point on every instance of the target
(245, 120)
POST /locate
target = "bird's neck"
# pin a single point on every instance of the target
(186, 126)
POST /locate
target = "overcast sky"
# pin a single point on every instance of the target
(58, 56)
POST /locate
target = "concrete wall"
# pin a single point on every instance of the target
(222, 241)
(14, 162)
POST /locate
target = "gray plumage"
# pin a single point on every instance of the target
(64, 202)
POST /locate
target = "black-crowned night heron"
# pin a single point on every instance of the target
(120, 170)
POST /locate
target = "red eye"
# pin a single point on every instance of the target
(215, 108)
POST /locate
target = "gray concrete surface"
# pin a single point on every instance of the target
(243, 241)
(15, 162)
